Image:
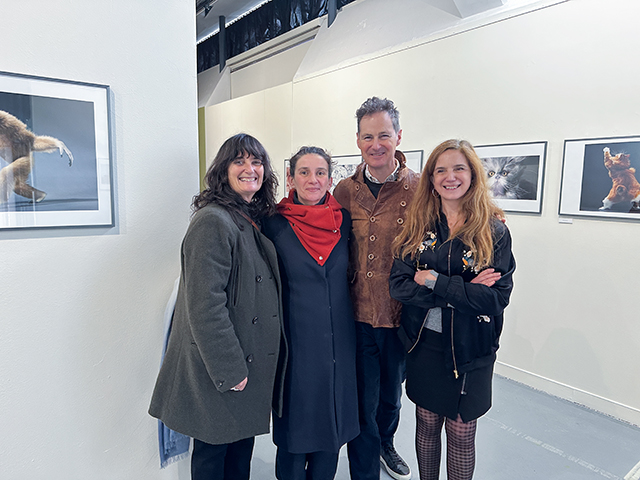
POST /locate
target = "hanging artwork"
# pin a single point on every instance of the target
(515, 173)
(599, 178)
(55, 160)
(346, 165)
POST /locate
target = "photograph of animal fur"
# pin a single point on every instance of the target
(599, 177)
(50, 171)
(514, 174)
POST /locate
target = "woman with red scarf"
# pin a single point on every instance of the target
(310, 233)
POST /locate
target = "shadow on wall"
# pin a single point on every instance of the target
(569, 355)
(522, 348)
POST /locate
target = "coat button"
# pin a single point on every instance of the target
(335, 231)
(320, 257)
(372, 219)
(255, 320)
(369, 274)
(249, 358)
(370, 256)
(372, 238)
(258, 278)
(400, 221)
(405, 186)
(403, 203)
(219, 383)
(357, 187)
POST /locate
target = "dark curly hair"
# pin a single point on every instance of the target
(374, 105)
(218, 190)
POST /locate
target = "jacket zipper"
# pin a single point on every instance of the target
(420, 332)
(424, 322)
(453, 349)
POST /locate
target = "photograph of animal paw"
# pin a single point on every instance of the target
(599, 178)
(55, 158)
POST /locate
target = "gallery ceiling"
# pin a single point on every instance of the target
(209, 11)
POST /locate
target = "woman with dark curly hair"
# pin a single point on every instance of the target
(216, 383)
(452, 273)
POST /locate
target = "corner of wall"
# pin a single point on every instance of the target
(202, 145)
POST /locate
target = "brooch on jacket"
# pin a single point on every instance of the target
(468, 262)
(429, 242)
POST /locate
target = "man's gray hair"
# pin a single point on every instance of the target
(374, 105)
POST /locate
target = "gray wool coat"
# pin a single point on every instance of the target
(227, 326)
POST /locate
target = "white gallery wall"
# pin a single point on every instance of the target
(81, 309)
(563, 70)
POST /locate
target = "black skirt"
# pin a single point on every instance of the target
(431, 386)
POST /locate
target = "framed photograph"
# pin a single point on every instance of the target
(599, 178)
(346, 165)
(515, 173)
(55, 155)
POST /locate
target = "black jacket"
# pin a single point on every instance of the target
(320, 408)
(471, 313)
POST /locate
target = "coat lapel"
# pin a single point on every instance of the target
(271, 256)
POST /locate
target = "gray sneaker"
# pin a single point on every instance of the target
(393, 463)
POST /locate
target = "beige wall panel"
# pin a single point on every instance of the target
(266, 115)
(276, 70)
(557, 73)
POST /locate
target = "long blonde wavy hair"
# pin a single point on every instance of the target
(477, 209)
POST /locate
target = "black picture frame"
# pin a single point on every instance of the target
(588, 183)
(526, 163)
(55, 153)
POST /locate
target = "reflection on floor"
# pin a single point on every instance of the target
(527, 435)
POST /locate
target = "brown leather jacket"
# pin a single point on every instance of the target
(375, 223)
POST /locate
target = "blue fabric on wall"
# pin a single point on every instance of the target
(173, 446)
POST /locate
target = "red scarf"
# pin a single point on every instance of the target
(316, 226)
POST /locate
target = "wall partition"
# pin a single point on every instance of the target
(558, 71)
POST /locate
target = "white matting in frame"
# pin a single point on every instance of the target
(515, 174)
(65, 179)
(592, 188)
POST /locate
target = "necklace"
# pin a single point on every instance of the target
(453, 224)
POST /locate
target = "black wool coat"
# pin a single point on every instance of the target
(320, 411)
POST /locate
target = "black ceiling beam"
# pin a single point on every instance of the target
(263, 24)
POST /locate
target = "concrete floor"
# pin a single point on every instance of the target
(527, 435)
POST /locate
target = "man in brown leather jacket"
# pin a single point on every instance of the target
(377, 195)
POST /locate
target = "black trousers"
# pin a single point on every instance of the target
(380, 368)
(306, 466)
(230, 461)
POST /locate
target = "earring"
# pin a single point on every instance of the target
(434, 193)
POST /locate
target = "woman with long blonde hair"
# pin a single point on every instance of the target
(452, 272)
